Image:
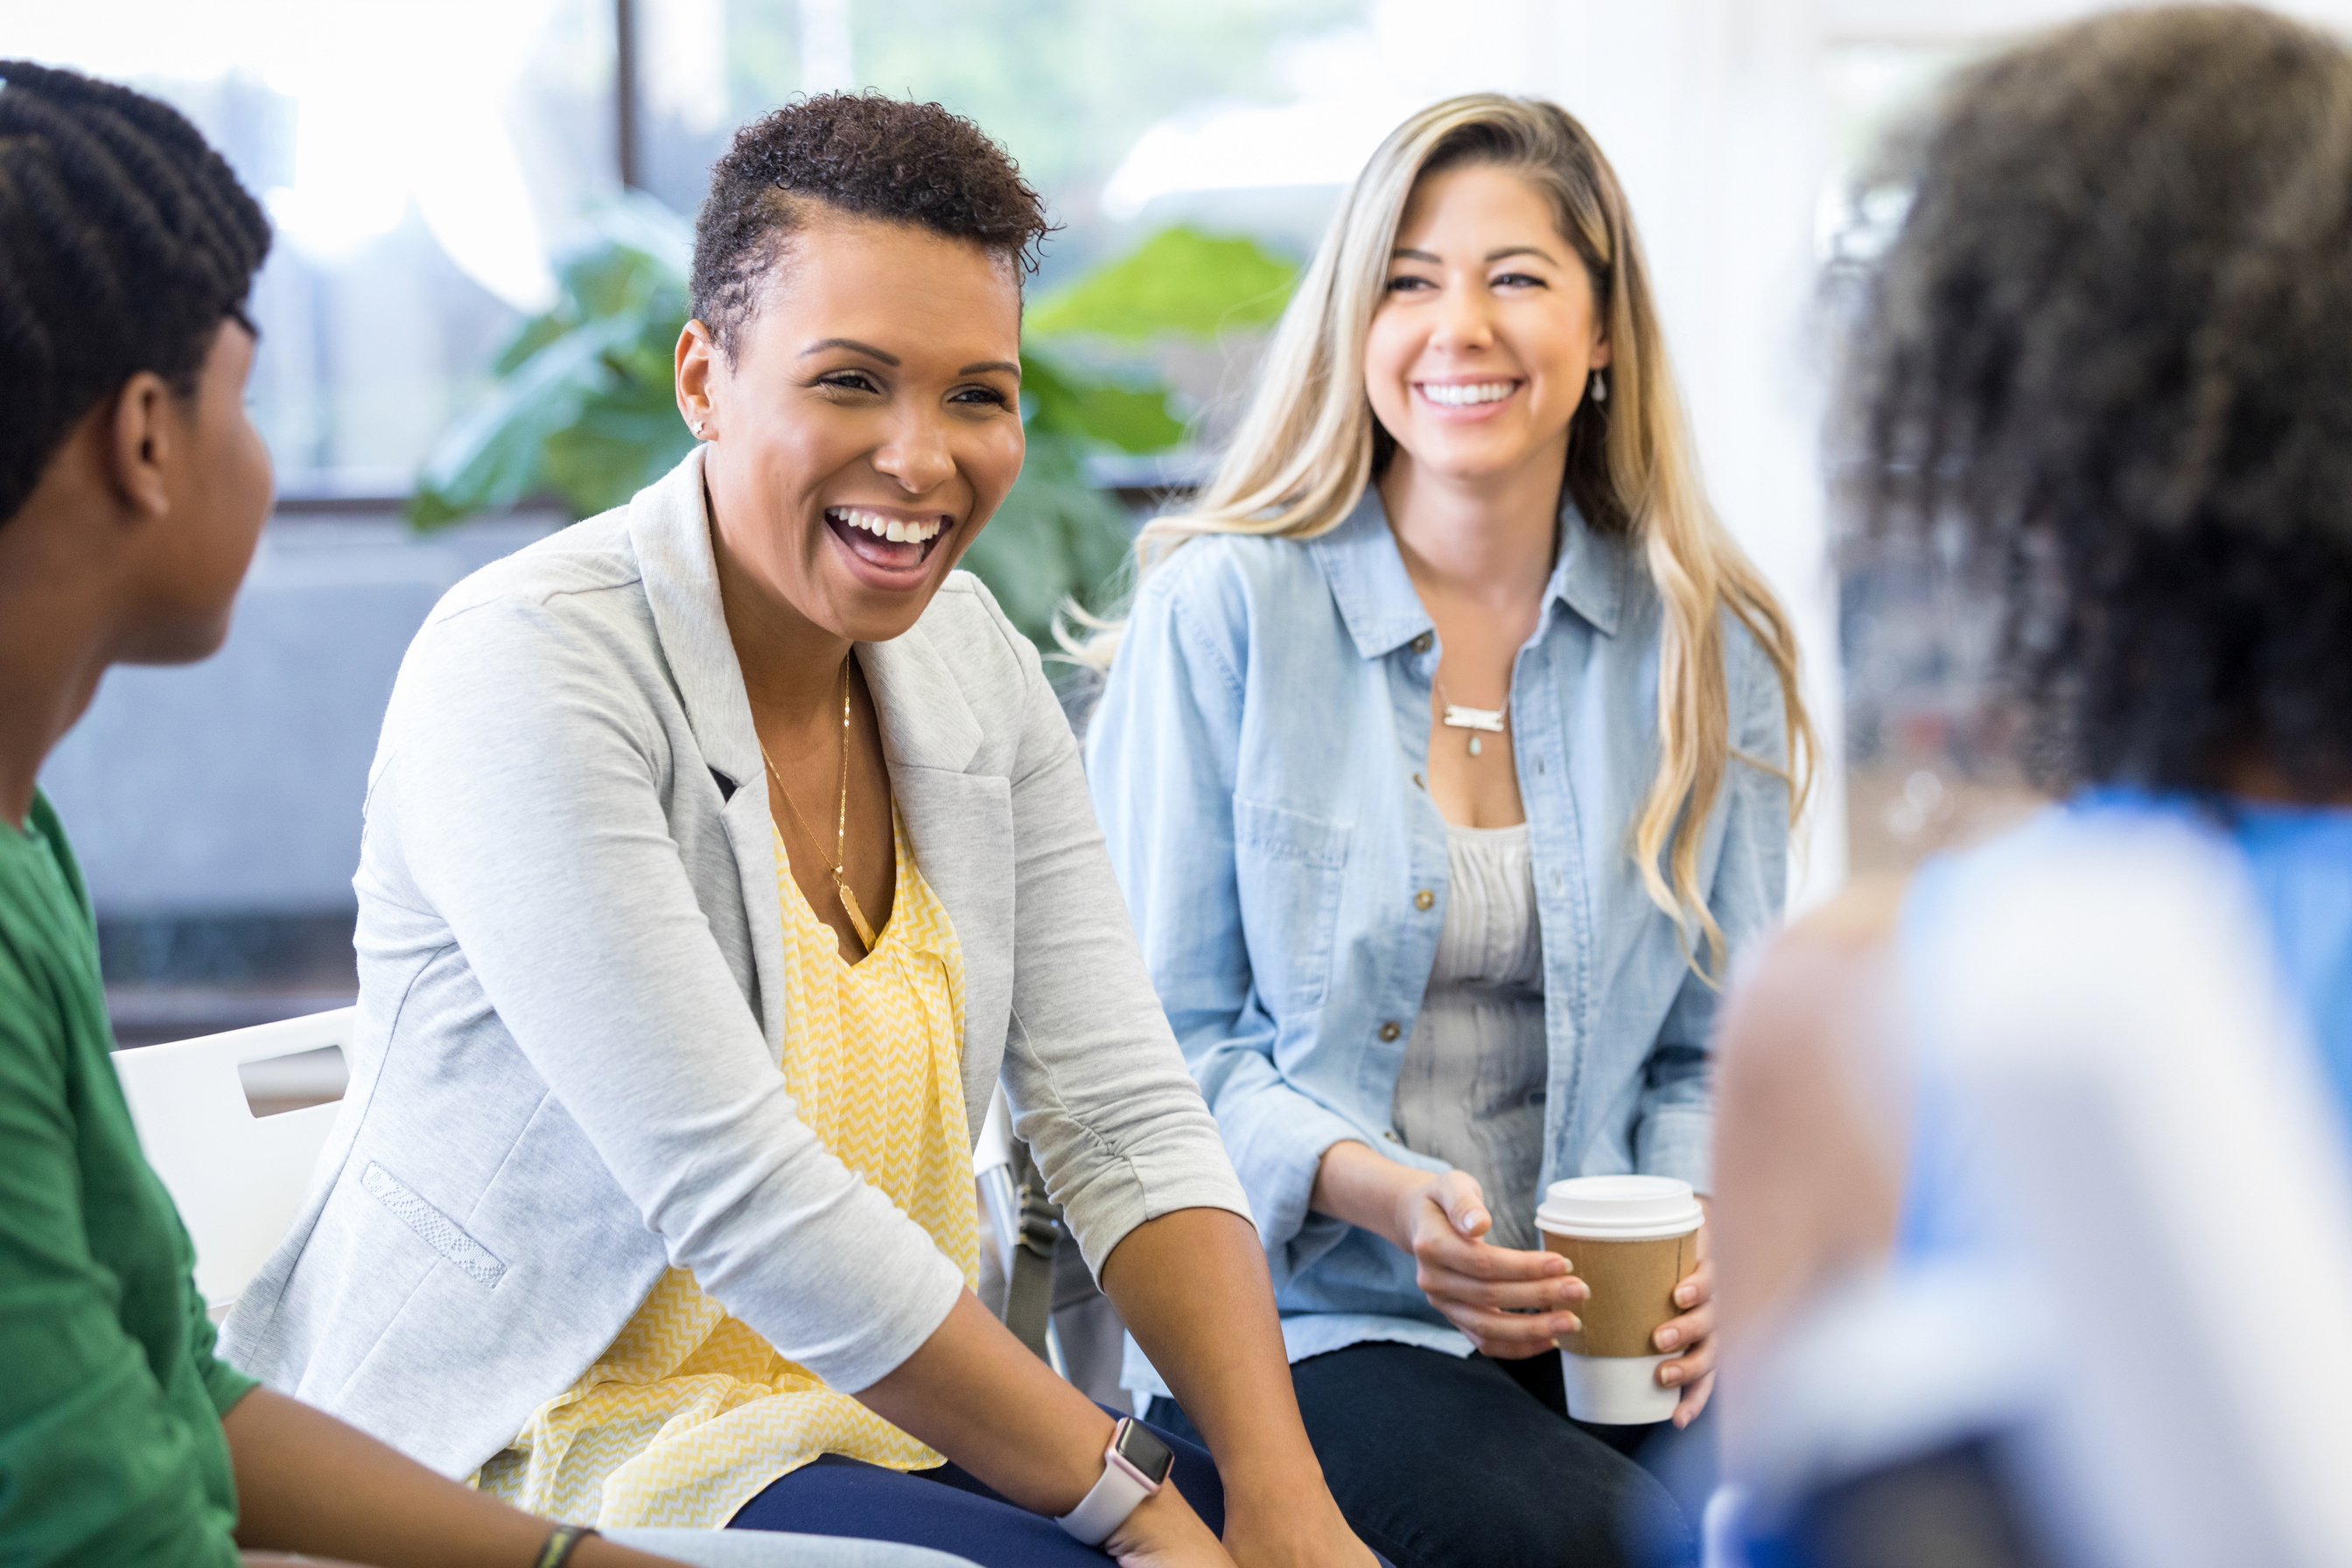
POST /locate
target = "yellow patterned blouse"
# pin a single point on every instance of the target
(690, 1415)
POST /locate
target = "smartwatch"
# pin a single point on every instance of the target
(1135, 1466)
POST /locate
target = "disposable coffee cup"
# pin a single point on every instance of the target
(1632, 1240)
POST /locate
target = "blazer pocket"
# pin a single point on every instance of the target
(436, 1229)
(1289, 866)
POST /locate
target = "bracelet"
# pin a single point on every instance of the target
(559, 1546)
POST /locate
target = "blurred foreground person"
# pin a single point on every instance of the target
(133, 489)
(2033, 1170)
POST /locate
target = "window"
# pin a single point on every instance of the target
(421, 161)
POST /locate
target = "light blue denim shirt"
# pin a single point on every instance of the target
(1257, 761)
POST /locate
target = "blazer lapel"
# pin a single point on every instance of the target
(669, 528)
(959, 826)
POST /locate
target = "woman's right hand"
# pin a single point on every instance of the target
(1164, 1533)
(1512, 1304)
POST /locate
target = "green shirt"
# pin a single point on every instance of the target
(110, 1402)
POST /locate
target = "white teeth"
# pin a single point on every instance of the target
(1462, 394)
(897, 528)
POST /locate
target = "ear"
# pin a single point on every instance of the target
(696, 367)
(1599, 348)
(139, 446)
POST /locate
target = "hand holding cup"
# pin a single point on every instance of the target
(1693, 1335)
(1512, 1304)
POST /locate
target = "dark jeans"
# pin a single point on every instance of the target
(949, 1510)
(1443, 1461)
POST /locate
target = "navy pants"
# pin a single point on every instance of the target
(1443, 1461)
(949, 1510)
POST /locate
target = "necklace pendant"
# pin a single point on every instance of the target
(849, 907)
(1477, 746)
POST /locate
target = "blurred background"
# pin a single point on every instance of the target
(483, 209)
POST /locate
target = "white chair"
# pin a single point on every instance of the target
(238, 1178)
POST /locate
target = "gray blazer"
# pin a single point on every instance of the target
(564, 1073)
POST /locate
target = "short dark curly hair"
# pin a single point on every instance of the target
(125, 242)
(861, 152)
(2103, 375)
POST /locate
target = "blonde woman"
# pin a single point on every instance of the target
(1448, 756)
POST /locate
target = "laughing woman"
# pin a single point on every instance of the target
(718, 853)
(1445, 760)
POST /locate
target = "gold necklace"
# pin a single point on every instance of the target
(840, 866)
(1478, 720)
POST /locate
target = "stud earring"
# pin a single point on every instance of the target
(697, 430)
(1599, 392)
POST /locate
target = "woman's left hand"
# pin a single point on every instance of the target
(1693, 1335)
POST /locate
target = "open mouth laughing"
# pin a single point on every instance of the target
(894, 544)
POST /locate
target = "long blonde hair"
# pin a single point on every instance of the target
(1308, 444)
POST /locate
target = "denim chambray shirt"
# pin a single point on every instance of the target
(1257, 761)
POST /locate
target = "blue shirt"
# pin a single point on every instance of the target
(1258, 760)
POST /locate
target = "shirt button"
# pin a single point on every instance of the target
(1424, 900)
(1422, 642)
(1390, 1031)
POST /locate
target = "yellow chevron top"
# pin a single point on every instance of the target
(690, 1415)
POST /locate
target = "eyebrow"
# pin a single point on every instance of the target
(853, 346)
(1402, 253)
(870, 351)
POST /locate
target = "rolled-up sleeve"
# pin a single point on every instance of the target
(1161, 750)
(1095, 1083)
(529, 818)
(1674, 1135)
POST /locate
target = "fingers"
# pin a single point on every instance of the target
(1698, 1286)
(1509, 1336)
(1693, 1401)
(1693, 1371)
(1549, 1293)
(1690, 1329)
(1441, 1248)
(1465, 1206)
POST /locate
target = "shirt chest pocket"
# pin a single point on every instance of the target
(1289, 866)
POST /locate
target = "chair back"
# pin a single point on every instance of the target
(238, 1178)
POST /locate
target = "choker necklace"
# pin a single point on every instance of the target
(840, 866)
(1479, 722)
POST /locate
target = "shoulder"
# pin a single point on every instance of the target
(1219, 587)
(591, 558)
(581, 587)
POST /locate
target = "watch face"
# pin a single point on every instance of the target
(1142, 1448)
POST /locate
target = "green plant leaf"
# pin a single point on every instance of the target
(1180, 282)
(1062, 402)
(1056, 539)
(491, 457)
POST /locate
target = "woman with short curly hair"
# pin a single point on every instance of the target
(719, 851)
(2100, 386)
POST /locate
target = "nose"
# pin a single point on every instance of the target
(1462, 320)
(917, 455)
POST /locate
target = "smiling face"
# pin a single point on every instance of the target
(868, 423)
(1487, 333)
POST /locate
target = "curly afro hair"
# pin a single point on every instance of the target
(876, 156)
(2104, 376)
(125, 242)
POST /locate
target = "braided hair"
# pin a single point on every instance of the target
(125, 241)
(2103, 375)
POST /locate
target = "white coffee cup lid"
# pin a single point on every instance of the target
(1620, 1209)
